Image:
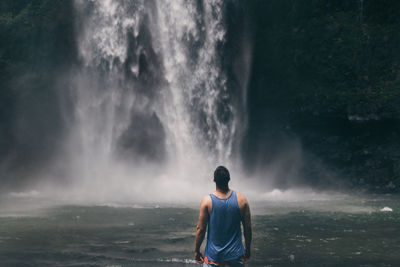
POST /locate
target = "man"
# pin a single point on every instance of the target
(223, 211)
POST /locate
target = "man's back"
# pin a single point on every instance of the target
(206, 209)
(224, 238)
(241, 199)
(223, 211)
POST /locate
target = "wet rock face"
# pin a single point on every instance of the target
(144, 139)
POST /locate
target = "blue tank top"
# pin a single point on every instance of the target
(224, 236)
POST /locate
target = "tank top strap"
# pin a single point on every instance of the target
(214, 197)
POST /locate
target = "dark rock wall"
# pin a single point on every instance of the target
(37, 50)
(327, 74)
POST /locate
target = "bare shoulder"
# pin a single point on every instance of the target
(206, 204)
(242, 200)
(241, 197)
(206, 200)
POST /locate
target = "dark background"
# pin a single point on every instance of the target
(323, 95)
(327, 73)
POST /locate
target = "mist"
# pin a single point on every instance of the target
(139, 101)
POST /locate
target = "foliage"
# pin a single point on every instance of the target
(36, 45)
(327, 73)
(328, 57)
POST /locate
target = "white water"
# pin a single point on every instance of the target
(186, 91)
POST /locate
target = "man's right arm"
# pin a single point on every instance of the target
(201, 228)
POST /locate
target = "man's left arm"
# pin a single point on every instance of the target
(201, 229)
(246, 222)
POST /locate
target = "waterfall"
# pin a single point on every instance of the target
(152, 93)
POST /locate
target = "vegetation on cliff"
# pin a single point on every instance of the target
(327, 73)
(36, 45)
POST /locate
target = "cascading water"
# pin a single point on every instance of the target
(152, 94)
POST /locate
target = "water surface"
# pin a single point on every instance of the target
(341, 232)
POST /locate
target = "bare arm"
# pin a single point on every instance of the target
(247, 229)
(246, 222)
(201, 228)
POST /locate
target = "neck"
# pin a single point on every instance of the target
(222, 190)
